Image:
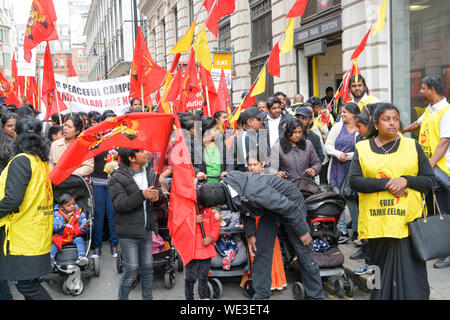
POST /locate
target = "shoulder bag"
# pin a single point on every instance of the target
(430, 236)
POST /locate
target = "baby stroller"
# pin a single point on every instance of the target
(66, 258)
(164, 253)
(239, 266)
(324, 209)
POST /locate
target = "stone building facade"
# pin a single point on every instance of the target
(325, 37)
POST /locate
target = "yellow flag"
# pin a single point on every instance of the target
(379, 25)
(164, 104)
(288, 43)
(201, 48)
(184, 44)
(260, 85)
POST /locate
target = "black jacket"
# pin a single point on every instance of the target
(128, 201)
(258, 195)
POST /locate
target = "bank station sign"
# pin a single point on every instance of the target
(319, 30)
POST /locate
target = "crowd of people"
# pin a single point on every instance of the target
(250, 169)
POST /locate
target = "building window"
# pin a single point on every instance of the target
(225, 33)
(191, 12)
(261, 33)
(422, 33)
(175, 16)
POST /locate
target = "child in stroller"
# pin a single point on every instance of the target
(69, 224)
(227, 246)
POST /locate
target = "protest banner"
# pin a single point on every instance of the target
(111, 94)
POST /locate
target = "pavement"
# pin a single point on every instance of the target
(439, 279)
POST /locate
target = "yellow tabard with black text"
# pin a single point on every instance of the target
(381, 215)
(29, 231)
(429, 135)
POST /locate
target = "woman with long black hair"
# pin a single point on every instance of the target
(26, 213)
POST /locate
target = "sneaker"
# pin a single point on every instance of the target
(114, 252)
(363, 269)
(343, 238)
(96, 254)
(226, 263)
(231, 255)
(82, 260)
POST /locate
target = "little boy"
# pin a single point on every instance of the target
(69, 224)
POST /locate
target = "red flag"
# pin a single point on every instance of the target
(183, 196)
(249, 101)
(15, 76)
(52, 104)
(273, 65)
(72, 72)
(346, 87)
(139, 130)
(40, 26)
(220, 10)
(48, 77)
(223, 95)
(174, 91)
(32, 91)
(208, 83)
(144, 71)
(298, 9)
(361, 46)
(7, 92)
(190, 83)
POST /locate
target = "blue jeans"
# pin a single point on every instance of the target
(353, 209)
(78, 241)
(136, 254)
(103, 204)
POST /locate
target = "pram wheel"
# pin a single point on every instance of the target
(169, 279)
(216, 287)
(180, 266)
(339, 288)
(248, 288)
(298, 291)
(349, 287)
(96, 264)
(72, 287)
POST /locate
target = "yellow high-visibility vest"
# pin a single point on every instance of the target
(369, 100)
(429, 136)
(29, 231)
(381, 215)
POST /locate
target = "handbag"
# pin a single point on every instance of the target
(430, 236)
(346, 191)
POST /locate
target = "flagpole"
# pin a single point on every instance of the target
(142, 97)
(57, 105)
(25, 93)
(207, 101)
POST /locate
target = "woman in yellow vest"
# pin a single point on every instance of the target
(390, 174)
(26, 213)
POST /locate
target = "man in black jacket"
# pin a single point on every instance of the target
(134, 196)
(276, 201)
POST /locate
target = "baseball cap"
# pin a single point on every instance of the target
(303, 111)
(253, 112)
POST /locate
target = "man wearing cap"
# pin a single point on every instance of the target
(305, 115)
(250, 139)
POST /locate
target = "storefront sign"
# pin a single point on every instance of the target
(222, 61)
(317, 31)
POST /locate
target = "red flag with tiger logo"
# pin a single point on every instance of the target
(146, 76)
(41, 26)
(7, 92)
(139, 130)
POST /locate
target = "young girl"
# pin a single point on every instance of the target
(69, 224)
(255, 165)
(198, 268)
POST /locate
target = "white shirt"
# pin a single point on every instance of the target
(273, 129)
(141, 180)
(444, 125)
